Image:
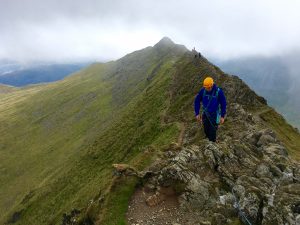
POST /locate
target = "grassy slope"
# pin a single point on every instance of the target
(286, 133)
(49, 159)
(42, 128)
(59, 140)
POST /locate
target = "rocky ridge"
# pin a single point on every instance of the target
(247, 177)
(247, 174)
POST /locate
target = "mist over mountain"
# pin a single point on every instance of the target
(14, 74)
(7, 66)
(276, 78)
(292, 61)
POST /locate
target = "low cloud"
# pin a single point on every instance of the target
(53, 30)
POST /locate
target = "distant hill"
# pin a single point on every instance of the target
(275, 78)
(6, 88)
(7, 66)
(15, 75)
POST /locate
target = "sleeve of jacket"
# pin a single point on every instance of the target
(223, 103)
(197, 101)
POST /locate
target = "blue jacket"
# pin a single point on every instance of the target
(214, 103)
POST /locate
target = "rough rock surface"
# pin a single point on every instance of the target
(247, 174)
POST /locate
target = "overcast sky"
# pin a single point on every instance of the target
(68, 30)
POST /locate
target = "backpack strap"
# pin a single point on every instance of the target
(210, 98)
(215, 95)
(204, 93)
(217, 92)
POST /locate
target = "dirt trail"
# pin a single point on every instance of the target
(166, 212)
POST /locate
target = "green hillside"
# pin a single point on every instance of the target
(58, 141)
(49, 160)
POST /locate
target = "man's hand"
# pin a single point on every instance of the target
(222, 120)
(199, 118)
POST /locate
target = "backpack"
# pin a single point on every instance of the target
(219, 106)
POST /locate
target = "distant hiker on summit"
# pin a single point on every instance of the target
(214, 108)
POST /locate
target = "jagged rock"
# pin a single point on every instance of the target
(265, 139)
(227, 199)
(270, 216)
(197, 195)
(298, 219)
(72, 218)
(247, 175)
(205, 223)
(210, 158)
(263, 170)
(251, 204)
(122, 168)
(237, 110)
(127, 170)
(276, 151)
(150, 187)
(276, 172)
(239, 190)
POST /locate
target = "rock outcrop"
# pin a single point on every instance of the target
(247, 174)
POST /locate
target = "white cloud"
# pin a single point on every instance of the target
(91, 29)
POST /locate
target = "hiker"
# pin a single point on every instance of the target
(195, 52)
(214, 108)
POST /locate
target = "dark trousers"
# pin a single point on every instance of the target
(210, 126)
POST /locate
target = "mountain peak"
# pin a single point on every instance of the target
(166, 44)
(165, 41)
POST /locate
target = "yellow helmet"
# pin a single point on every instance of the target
(208, 82)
